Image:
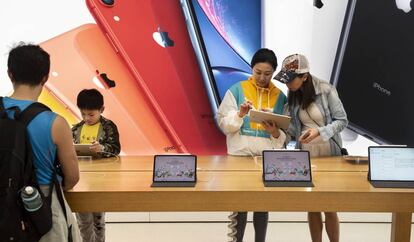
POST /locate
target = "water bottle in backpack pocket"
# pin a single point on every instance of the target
(31, 198)
(38, 208)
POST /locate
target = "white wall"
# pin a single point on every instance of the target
(298, 27)
(35, 21)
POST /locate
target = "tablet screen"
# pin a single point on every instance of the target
(180, 168)
(391, 163)
(286, 166)
(84, 150)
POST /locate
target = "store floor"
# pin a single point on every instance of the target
(216, 231)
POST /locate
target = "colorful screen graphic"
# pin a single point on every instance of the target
(286, 166)
(231, 34)
(174, 168)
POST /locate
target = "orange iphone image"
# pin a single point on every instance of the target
(82, 59)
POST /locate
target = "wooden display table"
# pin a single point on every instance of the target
(228, 183)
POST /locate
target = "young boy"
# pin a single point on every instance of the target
(103, 134)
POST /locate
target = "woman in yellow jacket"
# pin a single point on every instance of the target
(245, 138)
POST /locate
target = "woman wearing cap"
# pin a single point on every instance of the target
(318, 117)
(250, 139)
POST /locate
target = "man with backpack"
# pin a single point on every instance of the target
(49, 143)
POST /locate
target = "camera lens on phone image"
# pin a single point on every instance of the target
(109, 3)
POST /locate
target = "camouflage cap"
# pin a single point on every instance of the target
(292, 66)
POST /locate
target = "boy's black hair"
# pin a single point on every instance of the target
(90, 99)
(264, 55)
(28, 64)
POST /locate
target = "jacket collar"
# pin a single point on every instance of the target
(102, 120)
(252, 81)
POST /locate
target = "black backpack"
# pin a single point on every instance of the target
(17, 171)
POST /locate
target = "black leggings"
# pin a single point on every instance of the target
(259, 222)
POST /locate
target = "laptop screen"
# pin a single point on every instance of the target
(391, 163)
(175, 168)
(286, 165)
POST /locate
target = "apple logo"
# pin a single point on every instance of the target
(318, 3)
(162, 38)
(404, 5)
(102, 81)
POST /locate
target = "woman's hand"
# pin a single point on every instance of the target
(245, 108)
(271, 128)
(309, 135)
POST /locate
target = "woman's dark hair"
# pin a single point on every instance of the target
(90, 99)
(305, 95)
(28, 64)
(264, 55)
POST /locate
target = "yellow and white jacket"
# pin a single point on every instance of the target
(244, 137)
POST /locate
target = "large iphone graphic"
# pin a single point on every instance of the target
(82, 58)
(373, 69)
(225, 35)
(151, 37)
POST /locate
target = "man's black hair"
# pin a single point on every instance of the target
(28, 64)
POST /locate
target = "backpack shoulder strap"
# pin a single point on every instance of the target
(27, 115)
(2, 109)
(1, 104)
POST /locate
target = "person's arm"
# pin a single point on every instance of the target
(277, 135)
(76, 133)
(62, 137)
(279, 142)
(338, 114)
(228, 117)
(111, 146)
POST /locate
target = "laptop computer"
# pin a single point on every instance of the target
(174, 171)
(287, 168)
(391, 166)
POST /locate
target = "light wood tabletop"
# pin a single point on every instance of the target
(226, 191)
(214, 163)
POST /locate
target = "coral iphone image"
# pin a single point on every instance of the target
(82, 58)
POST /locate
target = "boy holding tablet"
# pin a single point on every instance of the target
(103, 134)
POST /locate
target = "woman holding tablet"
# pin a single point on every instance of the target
(246, 138)
(317, 118)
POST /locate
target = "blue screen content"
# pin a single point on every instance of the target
(231, 33)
